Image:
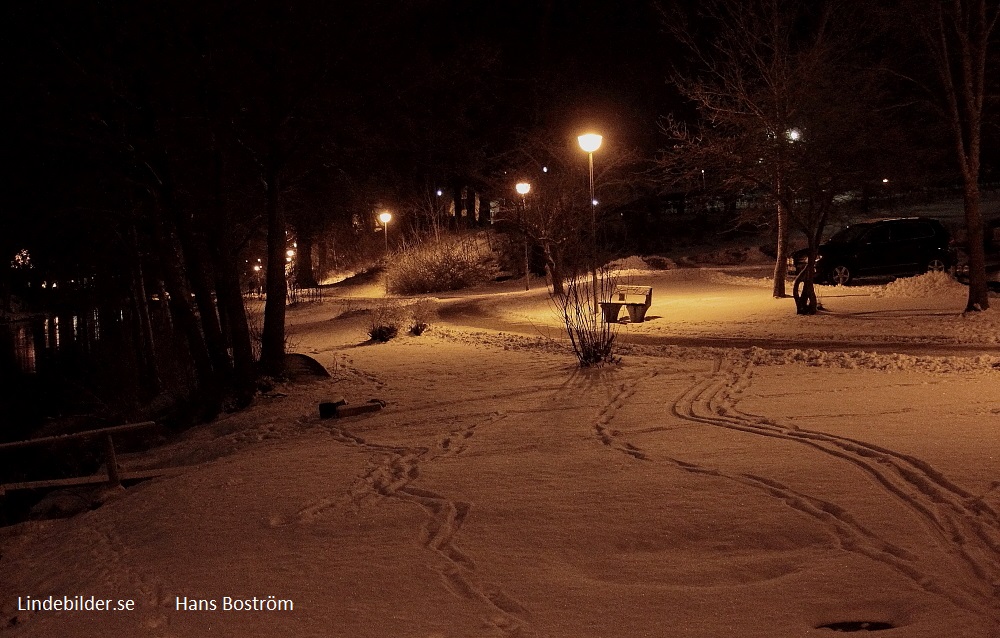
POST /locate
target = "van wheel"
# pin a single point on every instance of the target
(936, 265)
(840, 275)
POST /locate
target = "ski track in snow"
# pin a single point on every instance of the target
(962, 525)
(392, 476)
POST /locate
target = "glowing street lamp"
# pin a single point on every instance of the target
(590, 142)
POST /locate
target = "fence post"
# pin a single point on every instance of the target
(114, 478)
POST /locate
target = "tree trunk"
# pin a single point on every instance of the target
(459, 201)
(142, 322)
(199, 274)
(804, 292)
(552, 265)
(470, 206)
(781, 258)
(231, 301)
(324, 264)
(304, 276)
(184, 317)
(272, 341)
(485, 216)
(979, 294)
(232, 312)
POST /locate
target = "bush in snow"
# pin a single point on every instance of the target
(592, 338)
(449, 263)
(385, 321)
(420, 315)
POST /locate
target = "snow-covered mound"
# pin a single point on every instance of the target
(931, 284)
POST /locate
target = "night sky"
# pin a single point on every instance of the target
(562, 65)
(425, 77)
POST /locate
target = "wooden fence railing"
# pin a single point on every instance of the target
(114, 474)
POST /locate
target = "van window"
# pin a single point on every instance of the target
(849, 234)
(911, 230)
(877, 235)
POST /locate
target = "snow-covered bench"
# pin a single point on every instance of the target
(636, 300)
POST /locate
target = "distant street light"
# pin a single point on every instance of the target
(523, 188)
(590, 142)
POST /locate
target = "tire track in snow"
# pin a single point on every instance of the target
(964, 526)
(393, 477)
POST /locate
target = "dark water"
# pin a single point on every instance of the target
(28, 345)
(59, 365)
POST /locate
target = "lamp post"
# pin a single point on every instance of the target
(385, 217)
(523, 188)
(590, 142)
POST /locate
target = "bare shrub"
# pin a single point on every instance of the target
(450, 263)
(592, 338)
(384, 322)
(420, 316)
(657, 262)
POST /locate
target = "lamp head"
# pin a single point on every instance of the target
(385, 217)
(523, 188)
(590, 142)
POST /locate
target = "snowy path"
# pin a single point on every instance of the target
(700, 308)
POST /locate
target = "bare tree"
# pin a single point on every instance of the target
(958, 39)
(789, 116)
(783, 109)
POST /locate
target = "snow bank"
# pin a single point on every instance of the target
(721, 277)
(874, 361)
(932, 284)
(630, 263)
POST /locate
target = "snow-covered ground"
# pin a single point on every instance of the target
(742, 472)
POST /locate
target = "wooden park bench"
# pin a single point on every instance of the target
(113, 474)
(636, 300)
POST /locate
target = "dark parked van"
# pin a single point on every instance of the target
(900, 246)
